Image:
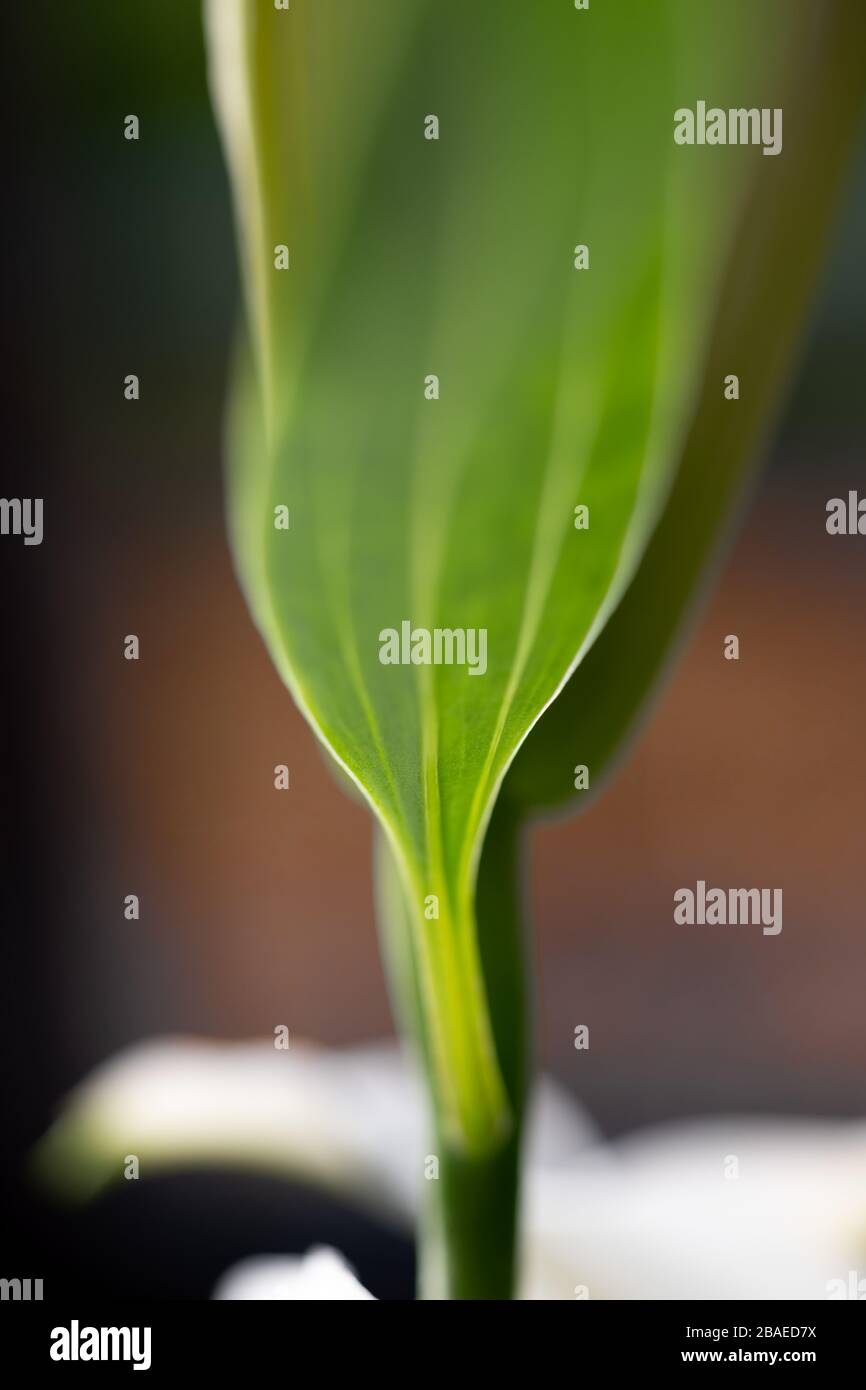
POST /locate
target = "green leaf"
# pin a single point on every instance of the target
(769, 282)
(559, 386)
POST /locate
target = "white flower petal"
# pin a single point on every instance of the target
(670, 1215)
(322, 1275)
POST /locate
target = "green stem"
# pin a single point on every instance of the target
(472, 1104)
(468, 1235)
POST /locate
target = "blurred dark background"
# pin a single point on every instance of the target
(155, 777)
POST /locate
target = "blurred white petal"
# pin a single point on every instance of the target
(321, 1274)
(733, 1208)
(349, 1121)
